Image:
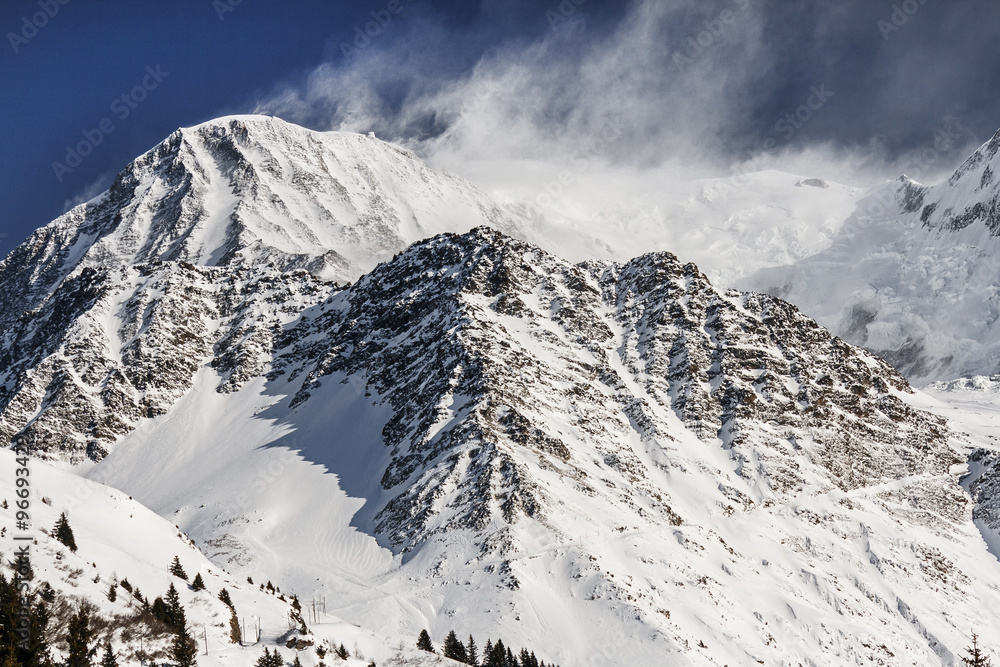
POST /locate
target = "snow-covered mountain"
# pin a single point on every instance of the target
(609, 462)
(913, 274)
(253, 191)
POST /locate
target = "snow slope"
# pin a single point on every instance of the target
(120, 539)
(912, 274)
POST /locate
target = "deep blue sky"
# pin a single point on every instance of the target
(893, 89)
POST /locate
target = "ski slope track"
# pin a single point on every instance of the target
(332, 368)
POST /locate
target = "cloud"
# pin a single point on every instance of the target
(684, 87)
(89, 191)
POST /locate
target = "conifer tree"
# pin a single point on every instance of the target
(454, 648)
(13, 649)
(78, 637)
(112, 592)
(472, 652)
(270, 659)
(424, 642)
(226, 600)
(109, 659)
(183, 648)
(296, 662)
(975, 657)
(177, 569)
(175, 617)
(64, 533)
(235, 634)
(496, 656)
(46, 592)
(198, 584)
(159, 611)
(343, 653)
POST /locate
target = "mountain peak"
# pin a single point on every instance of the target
(970, 198)
(254, 191)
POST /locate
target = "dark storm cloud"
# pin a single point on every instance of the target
(682, 81)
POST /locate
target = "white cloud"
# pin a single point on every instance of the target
(670, 84)
(89, 191)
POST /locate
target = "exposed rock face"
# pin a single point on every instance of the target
(198, 253)
(971, 196)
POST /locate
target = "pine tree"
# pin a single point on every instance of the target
(78, 639)
(174, 611)
(424, 642)
(13, 649)
(198, 584)
(177, 569)
(235, 634)
(46, 592)
(137, 594)
(112, 592)
(343, 653)
(974, 655)
(296, 662)
(226, 600)
(109, 659)
(496, 656)
(472, 652)
(267, 660)
(159, 611)
(454, 648)
(511, 661)
(64, 533)
(183, 649)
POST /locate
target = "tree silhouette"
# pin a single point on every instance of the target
(424, 642)
(177, 569)
(975, 657)
(64, 533)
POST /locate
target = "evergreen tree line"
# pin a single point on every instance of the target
(493, 655)
(31, 649)
(18, 613)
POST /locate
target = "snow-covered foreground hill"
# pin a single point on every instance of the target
(607, 461)
(119, 540)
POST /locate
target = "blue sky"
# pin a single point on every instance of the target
(861, 82)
